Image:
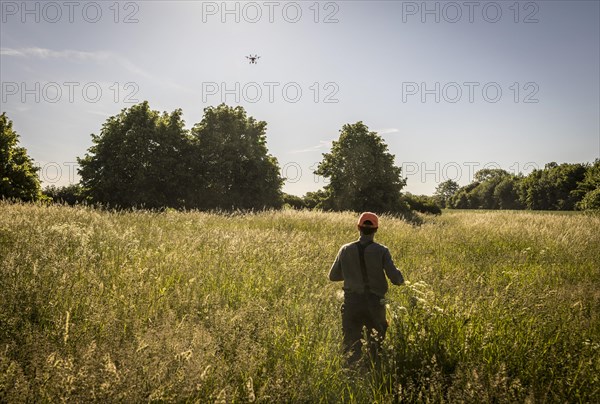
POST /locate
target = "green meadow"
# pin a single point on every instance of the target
(205, 307)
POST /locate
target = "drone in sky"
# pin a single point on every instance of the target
(253, 59)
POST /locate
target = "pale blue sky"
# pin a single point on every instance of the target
(371, 57)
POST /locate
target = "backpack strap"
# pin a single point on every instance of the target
(363, 265)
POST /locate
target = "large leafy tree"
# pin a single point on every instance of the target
(18, 175)
(361, 172)
(230, 152)
(138, 159)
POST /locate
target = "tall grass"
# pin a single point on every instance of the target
(140, 306)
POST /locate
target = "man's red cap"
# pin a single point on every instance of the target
(372, 217)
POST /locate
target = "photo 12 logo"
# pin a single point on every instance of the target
(470, 11)
(70, 91)
(457, 171)
(293, 172)
(470, 91)
(53, 172)
(69, 11)
(270, 91)
(270, 11)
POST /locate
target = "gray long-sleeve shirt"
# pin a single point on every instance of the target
(379, 264)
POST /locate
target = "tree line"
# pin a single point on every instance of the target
(143, 158)
(567, 186)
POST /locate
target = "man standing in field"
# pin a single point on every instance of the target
(363, 266)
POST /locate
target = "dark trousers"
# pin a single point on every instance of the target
(358, 311)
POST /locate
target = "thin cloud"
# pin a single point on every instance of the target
(44, 53)
(98, 56)
(386, 131)
(101, 113)
(323, 144)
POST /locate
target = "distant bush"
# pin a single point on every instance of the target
(591, 201)
(293, 201)
(315, 200)
(69, 194)
(422, 203)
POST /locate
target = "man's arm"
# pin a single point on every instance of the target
(335, 273)
(391, 271)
